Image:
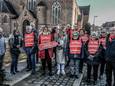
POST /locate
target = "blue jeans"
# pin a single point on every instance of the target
(74, 64)
(31, 59)
(14, 63)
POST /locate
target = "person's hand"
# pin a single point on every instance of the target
(18, 46)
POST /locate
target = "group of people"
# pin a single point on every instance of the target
(74, 49)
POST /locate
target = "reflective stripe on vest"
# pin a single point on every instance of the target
(93, 46)
(45, 38)
(103, 42)
(29, 40)
(75, 46)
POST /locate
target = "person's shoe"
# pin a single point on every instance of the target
(100, 77)
(58, 72)
(80, 72)
(71, 76)
(28, 70)
(13, 73)
(76, 76)
(50, 74)
(94, 82)
(88, 81)
(63, 72)
(33, 73)
(17, 71)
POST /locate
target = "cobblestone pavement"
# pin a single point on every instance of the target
(55, 80)
(100, 82)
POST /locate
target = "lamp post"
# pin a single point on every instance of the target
(94, 21)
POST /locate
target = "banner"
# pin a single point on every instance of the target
(48, 45)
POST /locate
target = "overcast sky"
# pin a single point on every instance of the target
(104, 9)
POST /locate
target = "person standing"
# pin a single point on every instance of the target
(37, 34)
(47, 54)
(2, 48)
(84, 38)
(31, 47)
(60, 54)
(93, 52)
(15, 42)
(102, 42)
(110, 57)
(74, 55)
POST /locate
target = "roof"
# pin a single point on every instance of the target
(6, 7)
(32, 13)
(85, 9)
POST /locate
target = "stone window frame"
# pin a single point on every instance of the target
(56, 12)
(31, 4)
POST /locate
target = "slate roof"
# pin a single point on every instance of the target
(85, 9)
(6, 7)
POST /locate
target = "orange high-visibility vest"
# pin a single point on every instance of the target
(45, 38)
(93, 46)
(84, 38)
(75, 46)
(29, 39)
(103, 42)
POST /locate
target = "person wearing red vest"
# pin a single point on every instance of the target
(92, 58)
(30, 46)
(84, 38)
(75, 50)
(47, 54)
(110, 58)
(70, 32)
(102, 42)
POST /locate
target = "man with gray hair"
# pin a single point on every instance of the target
(30, 45)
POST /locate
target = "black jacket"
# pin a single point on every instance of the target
(110, 51)
(13, 43)
(97, 57)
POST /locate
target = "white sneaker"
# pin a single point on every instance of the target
(63, 72)
(58, 72)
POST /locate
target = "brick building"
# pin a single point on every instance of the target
(19, 13)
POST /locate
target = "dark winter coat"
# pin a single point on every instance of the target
(110, 51)
(15, 41)
(97, 57)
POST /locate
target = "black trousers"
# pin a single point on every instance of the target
(81, 65)
(1, 61)
(14, 63)
(47, 60)
(95, 71)
(110, 67)
(102, 67)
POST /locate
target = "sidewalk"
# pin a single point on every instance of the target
(24, 78)
(19, 76)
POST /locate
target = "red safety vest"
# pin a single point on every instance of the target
(93, 46)
(45, 38)
(29, 39)
(84, 38)
(111, 37)
(103, 42)
(75, 46)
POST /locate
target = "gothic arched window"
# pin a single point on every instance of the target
(56, 11)
(31, 4)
